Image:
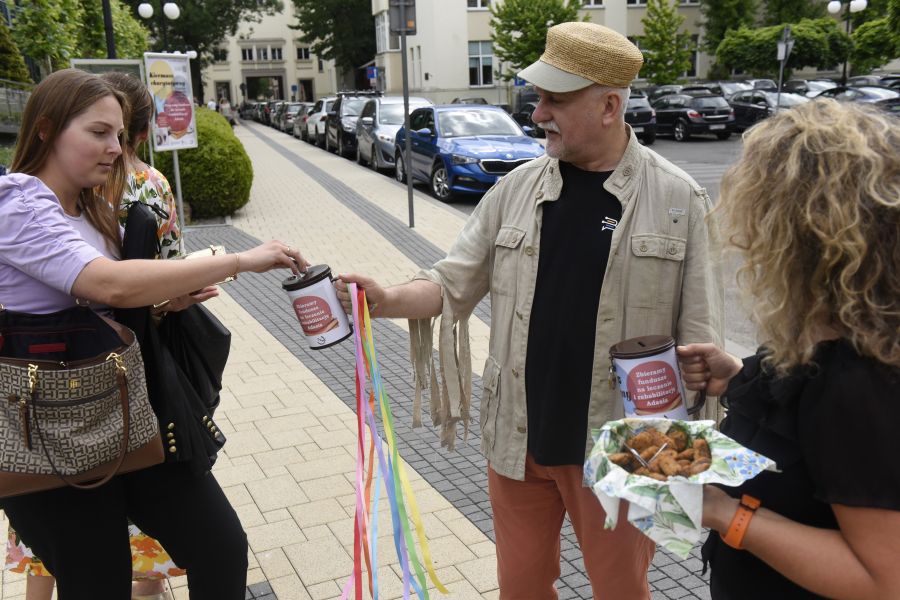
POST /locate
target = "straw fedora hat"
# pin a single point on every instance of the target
(579, 54)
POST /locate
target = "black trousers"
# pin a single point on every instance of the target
(82, 536)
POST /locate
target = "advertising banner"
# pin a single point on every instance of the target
(169, 80)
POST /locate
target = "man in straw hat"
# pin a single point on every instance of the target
(599, 241)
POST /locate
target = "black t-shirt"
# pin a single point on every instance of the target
(832, 431)
(576, 231)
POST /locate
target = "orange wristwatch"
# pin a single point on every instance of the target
(741, 520)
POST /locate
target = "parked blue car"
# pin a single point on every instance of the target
(463, 149)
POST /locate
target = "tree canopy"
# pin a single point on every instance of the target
(667, 50)
(12, 65)
(720, 16)
(131, 36)
(339, 30)
(520, 29)
(777, 12)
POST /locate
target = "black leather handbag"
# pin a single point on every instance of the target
(184, 358)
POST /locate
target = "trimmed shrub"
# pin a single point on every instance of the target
(216, 176)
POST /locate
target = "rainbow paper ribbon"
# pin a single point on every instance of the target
(390, 470)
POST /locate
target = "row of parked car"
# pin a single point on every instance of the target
(458, 148)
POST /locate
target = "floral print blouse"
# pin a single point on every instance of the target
(152, 188)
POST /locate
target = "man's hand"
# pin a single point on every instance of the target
(706, 366)
(375, 294)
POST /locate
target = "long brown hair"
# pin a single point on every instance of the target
(814, 207)
(140, 101)
(53, 104)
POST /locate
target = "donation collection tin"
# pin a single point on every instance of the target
(317, 307)
(646, 369)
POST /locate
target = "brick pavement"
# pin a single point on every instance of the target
(288, 466)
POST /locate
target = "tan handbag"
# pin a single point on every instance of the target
(76, 410)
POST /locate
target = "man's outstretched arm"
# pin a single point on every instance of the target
(417, 299)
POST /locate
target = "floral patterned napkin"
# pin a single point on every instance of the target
(668, 512)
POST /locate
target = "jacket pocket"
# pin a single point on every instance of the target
(656, 269)
(490, 405)
(506, 260)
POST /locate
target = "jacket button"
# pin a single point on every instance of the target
(515, 372)
(529, 250)
(643, 248)
(521, 429)
(672, 250)
(627, 172)
(170, 435)
(205, 418)
(539, 195)
(171, 426)
(173, 449)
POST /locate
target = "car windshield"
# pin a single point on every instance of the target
(461, 123)
(328, 105)
(786, 100)
(294, 108)
(635, 103)
(817, 86)
(710, 102)
(734, 87)
(392, 114)
(352, 106)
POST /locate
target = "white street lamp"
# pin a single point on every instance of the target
(145, 9)
(853, 6)
(171, 10)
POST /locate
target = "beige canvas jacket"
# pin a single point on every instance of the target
(660, 279)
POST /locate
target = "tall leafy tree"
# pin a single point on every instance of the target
(202, 26)
(667, 50)
(776, 12)
(874, 44)
(131, 36)
(720, 16)
(12, 65)
(340, 30)
(46, 30)
(520, 29)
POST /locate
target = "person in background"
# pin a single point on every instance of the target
(813, 206)
(600, 240)
(61, 242)
(211, 105)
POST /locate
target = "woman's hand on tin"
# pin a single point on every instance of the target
(707, 367)
(183, 302)
(374, 292)
(271, 255)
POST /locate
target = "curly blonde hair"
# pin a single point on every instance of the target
(814, 207)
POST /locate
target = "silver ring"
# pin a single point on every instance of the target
(288, 251)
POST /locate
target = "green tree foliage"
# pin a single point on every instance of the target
(12, 65)
(520, 29)
(721, 16)
(667, 51)
(131, 36)
(341, 30)
(202, 26)
(216, 175)
(874, 44)
(817, 43)
(46, 30)
(777, 12)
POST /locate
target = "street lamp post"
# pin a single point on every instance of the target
(108, 27)
(170, 10)
(834, 7)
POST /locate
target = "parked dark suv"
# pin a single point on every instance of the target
(684, 116)
(340, 126)
(642, 118)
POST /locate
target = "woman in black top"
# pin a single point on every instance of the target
(814, 207)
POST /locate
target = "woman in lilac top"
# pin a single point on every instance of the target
(60, 242)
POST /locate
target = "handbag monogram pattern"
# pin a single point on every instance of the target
(75, 416)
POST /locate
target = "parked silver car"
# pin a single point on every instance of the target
(315, 122)
(377, 126)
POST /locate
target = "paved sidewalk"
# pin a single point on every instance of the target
(289, 464)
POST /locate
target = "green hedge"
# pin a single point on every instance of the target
(216, 176)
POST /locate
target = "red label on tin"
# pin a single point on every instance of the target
(653, 387)
(314, 314)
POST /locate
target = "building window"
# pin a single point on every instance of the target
(481, 63)
(303, 53)
(637, 2)
(321, 66)
(690, 2)
(276, 54)
(591, 3)
(385, 41)
(246, 53)
(479, 4)
(220, 55)
(262, 53)
(692, 72)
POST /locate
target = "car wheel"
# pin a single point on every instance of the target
(440, 183)
(340, 146)
(327, 142)
(320, 141)
(724, 135)
(400, 171)
(681, 131)
(648, 138)
(373, 159)
(359, 158)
